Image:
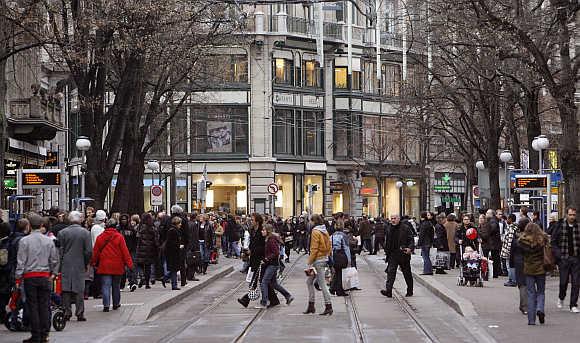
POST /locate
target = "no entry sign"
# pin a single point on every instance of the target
(272, 188)
(156, 195)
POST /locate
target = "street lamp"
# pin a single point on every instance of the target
(480, 165)
(83, 144)
(505, 157)
(400, 184)
(540, 143)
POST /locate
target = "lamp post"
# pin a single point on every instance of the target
(83, 144)
(505, 157)
(539, 144)
(400, 184)
(153, 166)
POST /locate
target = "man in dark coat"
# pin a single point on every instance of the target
(193, 256)
(400, 244)
(365, 234)
(491, 241)
(379, 235)
(75, 251)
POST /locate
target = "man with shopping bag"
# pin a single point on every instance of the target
(399, 246)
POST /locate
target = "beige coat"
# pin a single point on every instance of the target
(451, 227)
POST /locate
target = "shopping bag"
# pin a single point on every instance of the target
(250, 275)
(350, 278)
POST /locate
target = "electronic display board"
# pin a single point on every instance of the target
(532, 182)
(40, 179)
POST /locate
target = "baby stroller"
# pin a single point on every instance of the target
(472, 265)
(16, 319)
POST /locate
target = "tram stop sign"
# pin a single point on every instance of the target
(156, 195)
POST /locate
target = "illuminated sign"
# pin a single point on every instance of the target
(39, 178)
(531, 182)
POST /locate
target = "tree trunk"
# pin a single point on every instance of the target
(534, 127)
(3, 113)
(570, 154)
(492, 165)
(129, 196)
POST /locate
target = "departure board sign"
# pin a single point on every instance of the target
(40, 178)
(531, 182)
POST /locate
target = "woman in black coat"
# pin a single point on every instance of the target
(173, 247)
(426, 237)
(517, 260)
(147, 248)
(257, 254)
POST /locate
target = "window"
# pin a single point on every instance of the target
(223, 69)
(347, 135)
(219, 129)
(284, 131)
(370, 84)
(392, 137)
(178, 139)
(340, 77)
(313, 128)
(391, 79)
(356, 81)
(374, 149)
(283, 71)
(238, 72)
(312, 74)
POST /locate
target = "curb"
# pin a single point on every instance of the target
(172, 298)
(461, 305)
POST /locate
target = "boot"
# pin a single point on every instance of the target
(310, 308)
(327, 310)
(244, 301)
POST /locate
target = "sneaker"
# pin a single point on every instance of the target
(560, 303)
(574, 309)
(289, 300)
(133, 287)
(260, 307)
(386, 293)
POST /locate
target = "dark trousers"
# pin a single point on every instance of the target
(145, 268)
(570, 271)
(496, 260)
(366, 243)
(78, 298)
(287, 248)
(273, 299)
(403, 260)
(452, 257)
(336, 284)
(379, 244)
(37, 292)
(4, 298)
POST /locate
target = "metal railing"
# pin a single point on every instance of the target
(35, 107)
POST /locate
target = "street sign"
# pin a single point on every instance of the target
(476, 192)
(272, 188)
(531, 182)
(156, 195)
(40, 178)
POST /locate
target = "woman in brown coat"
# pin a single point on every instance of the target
(451, 228)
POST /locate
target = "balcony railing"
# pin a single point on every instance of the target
(301, 26)
(35, 108)
(333, 31)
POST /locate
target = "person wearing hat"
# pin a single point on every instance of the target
(37, 265)
(97, 229)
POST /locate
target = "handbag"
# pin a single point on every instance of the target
(340, 260)
(101, 250)
(549, 260)
(350, 278)
(254, 292)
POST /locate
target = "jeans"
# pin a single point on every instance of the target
(111, 284)
(38, 306)
(523, 298)
(270, 280)
(367, 244)
(570, 270)
(319, 267)
(173, 277)
(379, 244)
(511, 271)
(234, 249)
(536, 285)
(204, 251)
(426, 254)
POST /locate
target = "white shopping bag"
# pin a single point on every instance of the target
(350, 278)
(250, 275)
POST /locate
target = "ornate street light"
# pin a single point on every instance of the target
(480, 165)
(539, 144)
(505, 157)
(83, 144)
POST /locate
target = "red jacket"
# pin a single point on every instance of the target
(110, 253)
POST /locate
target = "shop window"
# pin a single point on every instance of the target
(356, 81)
(313, 133)
(228, 193)
(283, 71)
(312, 74)
(341, 77)
(284, 203)
(347, 135)
(219, 129)
(391, 80)
(314, 201)
(284, 131)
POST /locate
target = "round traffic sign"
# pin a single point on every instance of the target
(156, 190)
(272, 188)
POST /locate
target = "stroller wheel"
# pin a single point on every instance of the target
(58, 320)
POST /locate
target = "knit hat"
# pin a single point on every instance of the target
(100, 216)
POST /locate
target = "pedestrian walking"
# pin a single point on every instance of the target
(147, 249)
(510, 232)
(110, 258)
(532, 242)
(128, 229)
(341, 259)
(425, 242)
(320, 249)
(565, 241)
(37, 265)
(451, 227)
(271, 265)
(516, 259)
(400, 244)
(491, 241)
(206, 237)
(365, 234)
(173, 250)
(5, 272)
(75, 251)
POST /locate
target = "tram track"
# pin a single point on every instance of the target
(400, 300)
(171, 337)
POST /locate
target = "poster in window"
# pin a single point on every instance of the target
(219, 136)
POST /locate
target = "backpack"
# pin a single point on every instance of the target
(4, 252)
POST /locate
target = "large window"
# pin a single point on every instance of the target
(312, 74)
(356, 81)
(370, 83)
(341, 77)
(284, 131)
(391, 79)
(347, 135)
(313, 128)
(374, 147)
(219, 129)
(179, 132)
(283, 71)
(223, 69)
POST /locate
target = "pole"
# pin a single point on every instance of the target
(507, 188)
(82, 175)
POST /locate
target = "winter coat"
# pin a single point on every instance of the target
(272, 250)
(365, 229)
(339, 241)
(173, 253)
(320, 246)
(380, 230)
(451, 229)
(192, 230)
(517, 260)
(110, 254)
(461, 235)
(426, 234)
(129, 233)
(147, 245)
(5, 269)
(396, 242)
(533, 255)
(206, 234)
(490, 235)
(257, 248)
(441, 242)
(75, 251)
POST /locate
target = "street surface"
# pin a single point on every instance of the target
(212, 314)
